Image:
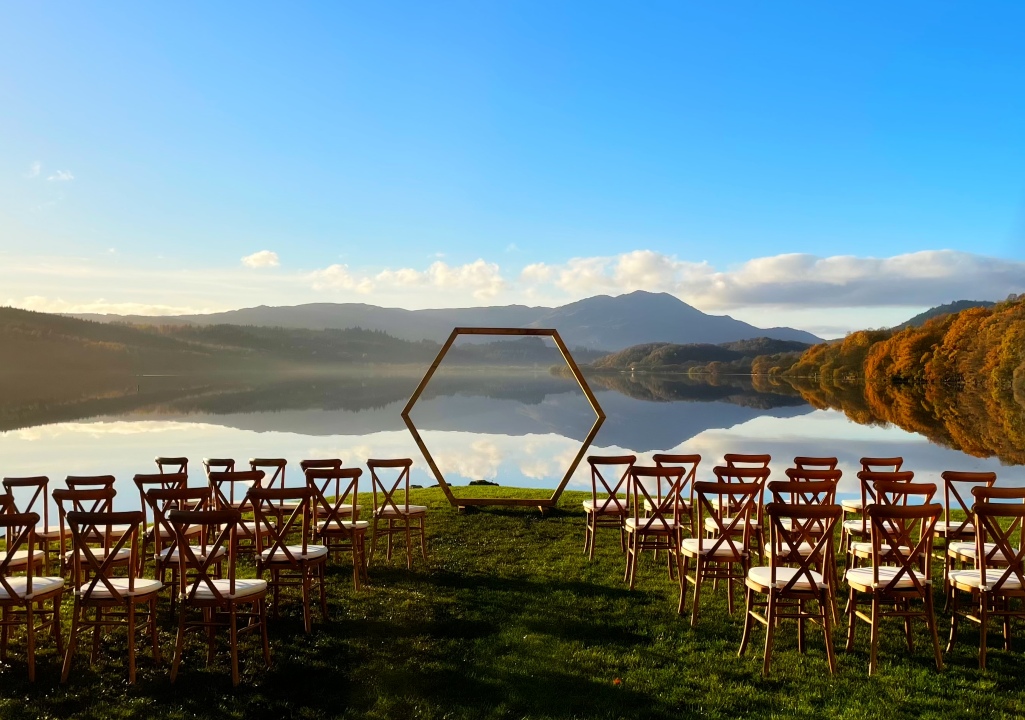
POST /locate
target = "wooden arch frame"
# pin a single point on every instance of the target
(542, 503)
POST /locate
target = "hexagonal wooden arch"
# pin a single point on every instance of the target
(542, 503)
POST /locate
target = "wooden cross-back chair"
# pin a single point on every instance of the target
(223, 465)
(230, 489)
(45, 537)
(301, 564)
(755, 469)
(166, 555)
(97, 589)
(149, 481)
(92, 499)
(856, 528)
(998, 579)
(23, 597)
(320, 464)
(853, 507)
(685, 495)
(336, 522)
(723, 553)
(610, 498)
(959, 534)
(275, 478)
(899, 575)
(898, 492)
(800, 546)
(172, 465)
(655, 521)
(220, 600)
(389, 478)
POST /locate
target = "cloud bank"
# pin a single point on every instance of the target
(261, 259)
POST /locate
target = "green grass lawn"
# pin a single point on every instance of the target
(509, 619)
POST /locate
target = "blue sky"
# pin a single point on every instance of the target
(822, 165)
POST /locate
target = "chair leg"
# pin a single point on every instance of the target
(683, 584)
(307, 624)
(906, 607)
(373, 541)
(69, 654)
(263, 633)
(587, 536)
(409, 547)
(233, 638)
(931, 619)
(96, 636)
(852, 619)
(827, 605)
(983, 626)
(874, 641)
(770, 627)
(423, 538)
(131, 641)
(55, 624)
(801, 608)
(31, 632)
(1007, 624)
(698, 565)
(179, 644)
(748, 620)
(954, 609)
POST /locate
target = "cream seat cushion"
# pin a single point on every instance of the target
(689, 546)
(389, 511)
(651, 524)
(609, 505)
(863, 577)
(143, 586)
(40, 586)
(278, 555)
(973, 579)
(762, 575)
(243, 589)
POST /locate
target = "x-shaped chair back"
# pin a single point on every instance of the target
(89, 482)
(1011, 496)
(902, 536)
(385, 488)
(881, 464)
(172, 465)
(689, 462)
(38, 500)
(276, 468)
(92, 499)
(219, 532)
(755, 471)
(802, 462)
(732, 532)
(816, 480)
(161, 501)
(613, 485)
(342, 486)
(18, 531)
(741, 460)
(273, 536)
(91, 571)
(230, 488)
(998, 523)
(656, 491)
(868, 479)
(901, 492)
(156, 481)
(957, 487)
(803, 493)
(793, 529)
(218, 465)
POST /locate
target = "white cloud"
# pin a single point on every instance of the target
(61, 176)
(261, 259)
(482, 280)
(101, 306)
(338, 277)
(34, 169)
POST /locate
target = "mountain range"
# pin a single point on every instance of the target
(599, 323)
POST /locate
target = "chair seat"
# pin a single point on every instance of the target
(101, 554)
(20, 558)
(972, 580)
(344, 526)
(760, 578)
(608, 506)
(689, 547)
(712, 526)
(172, 555)
(852, 505)
(243, 589)
(650, 525)
(864, 549)
(248, 528)
(858, 526)
(41, 586)
(402, 510)
(143, 586)
(278, 555)
(683, 504)
(861, 578)
(343, 509)
(966, 550)
(51, 532)
(953, 527)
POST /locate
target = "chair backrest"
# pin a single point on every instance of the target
(274, 466)
(19, 531)
(90, 572)
(656, 492)
(799, 537)
(902, 536)
(957, 488)
(86, 482)
(218, 465)
(230, 488)
(807, 491)
(320, 464)
(172, 465)
(161, 501)
(1005, 496)
(617, 467)
(802, 462)
(734, 532)
(868, 479)
(332, 512)
(274, 536)
(689, 462)
(219, 530)
(899, 492)
(881, 464)
(1004, 564)
(92, 499)
(164, 481)
(388, 487)
(38, 501)
(755, 473)
(741, 460)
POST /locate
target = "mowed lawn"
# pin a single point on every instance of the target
(510, 619)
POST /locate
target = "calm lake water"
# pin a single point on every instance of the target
(520, 429)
